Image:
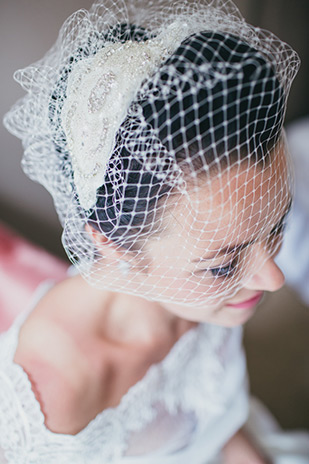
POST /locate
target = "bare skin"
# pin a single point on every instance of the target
(241, 449)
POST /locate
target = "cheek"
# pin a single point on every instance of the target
(192, 290)
(169, 277)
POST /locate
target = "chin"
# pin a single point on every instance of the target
(238, 317)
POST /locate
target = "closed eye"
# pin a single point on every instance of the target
(224, 271)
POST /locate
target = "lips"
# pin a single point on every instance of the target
(246, 304)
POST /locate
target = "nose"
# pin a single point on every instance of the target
(268, 277)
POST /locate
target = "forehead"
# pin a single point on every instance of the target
(242, 201)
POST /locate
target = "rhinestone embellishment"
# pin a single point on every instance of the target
(100, 90)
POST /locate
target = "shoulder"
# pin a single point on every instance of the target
(49, 351)
(56, 372)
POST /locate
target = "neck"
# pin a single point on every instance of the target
(128, 318)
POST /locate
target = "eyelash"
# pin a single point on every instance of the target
(279, 228)
(224, 271)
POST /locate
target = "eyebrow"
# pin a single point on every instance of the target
(228, 250)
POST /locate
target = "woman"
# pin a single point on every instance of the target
(159, 134)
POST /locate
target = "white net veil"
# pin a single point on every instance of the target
(157, 129)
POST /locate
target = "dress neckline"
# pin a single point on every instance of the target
(134, 390)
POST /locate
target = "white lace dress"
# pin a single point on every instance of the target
(183, 410)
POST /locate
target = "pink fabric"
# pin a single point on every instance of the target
(22, 267)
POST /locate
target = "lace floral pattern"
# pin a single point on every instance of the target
(188, 379)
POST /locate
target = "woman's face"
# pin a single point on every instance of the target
(217, 256)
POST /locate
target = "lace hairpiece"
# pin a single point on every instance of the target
(100, 91)
(157, 129)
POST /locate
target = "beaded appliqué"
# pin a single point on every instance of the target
(100, 91)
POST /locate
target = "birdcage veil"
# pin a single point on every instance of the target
(151, 124)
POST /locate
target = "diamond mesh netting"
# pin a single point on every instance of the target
(158, 131)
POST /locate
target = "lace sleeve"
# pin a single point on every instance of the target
(20, 414)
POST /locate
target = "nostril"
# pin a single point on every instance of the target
(277, 278)
(269, 277)
(272, 276)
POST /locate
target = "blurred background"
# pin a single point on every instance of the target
(277, 340)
